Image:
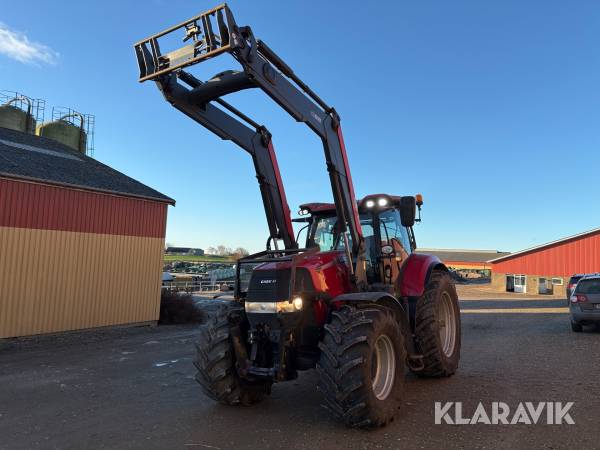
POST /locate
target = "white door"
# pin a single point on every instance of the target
(521, 283)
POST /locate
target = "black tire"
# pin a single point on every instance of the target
(345, 366)
(437, 363)
(576, 327)
(215, 361)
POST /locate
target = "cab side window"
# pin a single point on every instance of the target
(391, 228)
(324, 235)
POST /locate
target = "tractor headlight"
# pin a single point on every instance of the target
(297, 303)
(370, 203)
(261, 307)
(274, 307)
(382, 201)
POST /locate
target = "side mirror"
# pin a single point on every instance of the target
(408, 211)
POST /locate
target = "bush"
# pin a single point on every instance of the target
(178, 308)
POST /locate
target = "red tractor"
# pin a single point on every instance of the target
(355, 302)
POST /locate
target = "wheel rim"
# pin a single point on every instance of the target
(383, 367)
(447, 324)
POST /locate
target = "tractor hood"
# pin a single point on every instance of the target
(315, 272)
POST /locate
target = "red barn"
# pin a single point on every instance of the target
(474, 260)
(545, 269)
(81, 245)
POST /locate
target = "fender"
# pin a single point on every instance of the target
(388, 300)
(415, 274)
(383, 298)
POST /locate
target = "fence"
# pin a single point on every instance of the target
(197, 286)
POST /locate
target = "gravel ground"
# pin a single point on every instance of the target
(134, 388)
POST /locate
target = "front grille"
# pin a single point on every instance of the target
(273, 285)
(269, 285)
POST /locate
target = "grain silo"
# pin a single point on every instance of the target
(71, 128)
(19, 112)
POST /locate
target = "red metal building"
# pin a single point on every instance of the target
(464, 259)
(81, 245)
(547, 268)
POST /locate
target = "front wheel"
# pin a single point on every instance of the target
(437, 326)
(215, 361)
(362, 365)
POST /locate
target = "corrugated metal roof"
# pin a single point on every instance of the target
(477, 256)
(37, 158)
(548, 244)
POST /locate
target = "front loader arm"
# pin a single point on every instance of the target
(263, 69)
(256, 142)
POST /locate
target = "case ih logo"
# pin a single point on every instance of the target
(528, 413)
(268, 281)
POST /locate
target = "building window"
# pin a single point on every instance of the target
(545, 286)
(557, 281)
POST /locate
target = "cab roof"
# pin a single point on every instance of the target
(324, 208)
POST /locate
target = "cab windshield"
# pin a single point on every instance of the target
(379, 229)
(325, 233)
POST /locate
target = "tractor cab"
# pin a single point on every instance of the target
(386, 223)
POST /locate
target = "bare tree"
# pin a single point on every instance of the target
(240, 252)
(223, 251)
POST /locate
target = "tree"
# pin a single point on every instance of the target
(240, 252)
(223, 251)
(211, 251)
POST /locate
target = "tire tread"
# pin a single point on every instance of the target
(343, 352)
(215, 362)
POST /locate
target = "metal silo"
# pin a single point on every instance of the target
(70, 128)
(19, 112)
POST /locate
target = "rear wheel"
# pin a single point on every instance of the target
(361, 367)
(576, 327)
(437, 326)
(215, 361)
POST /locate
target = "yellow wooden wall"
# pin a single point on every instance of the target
(54, 281)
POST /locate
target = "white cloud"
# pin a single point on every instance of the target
(17, 46)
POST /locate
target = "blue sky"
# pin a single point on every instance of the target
(491, 110)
